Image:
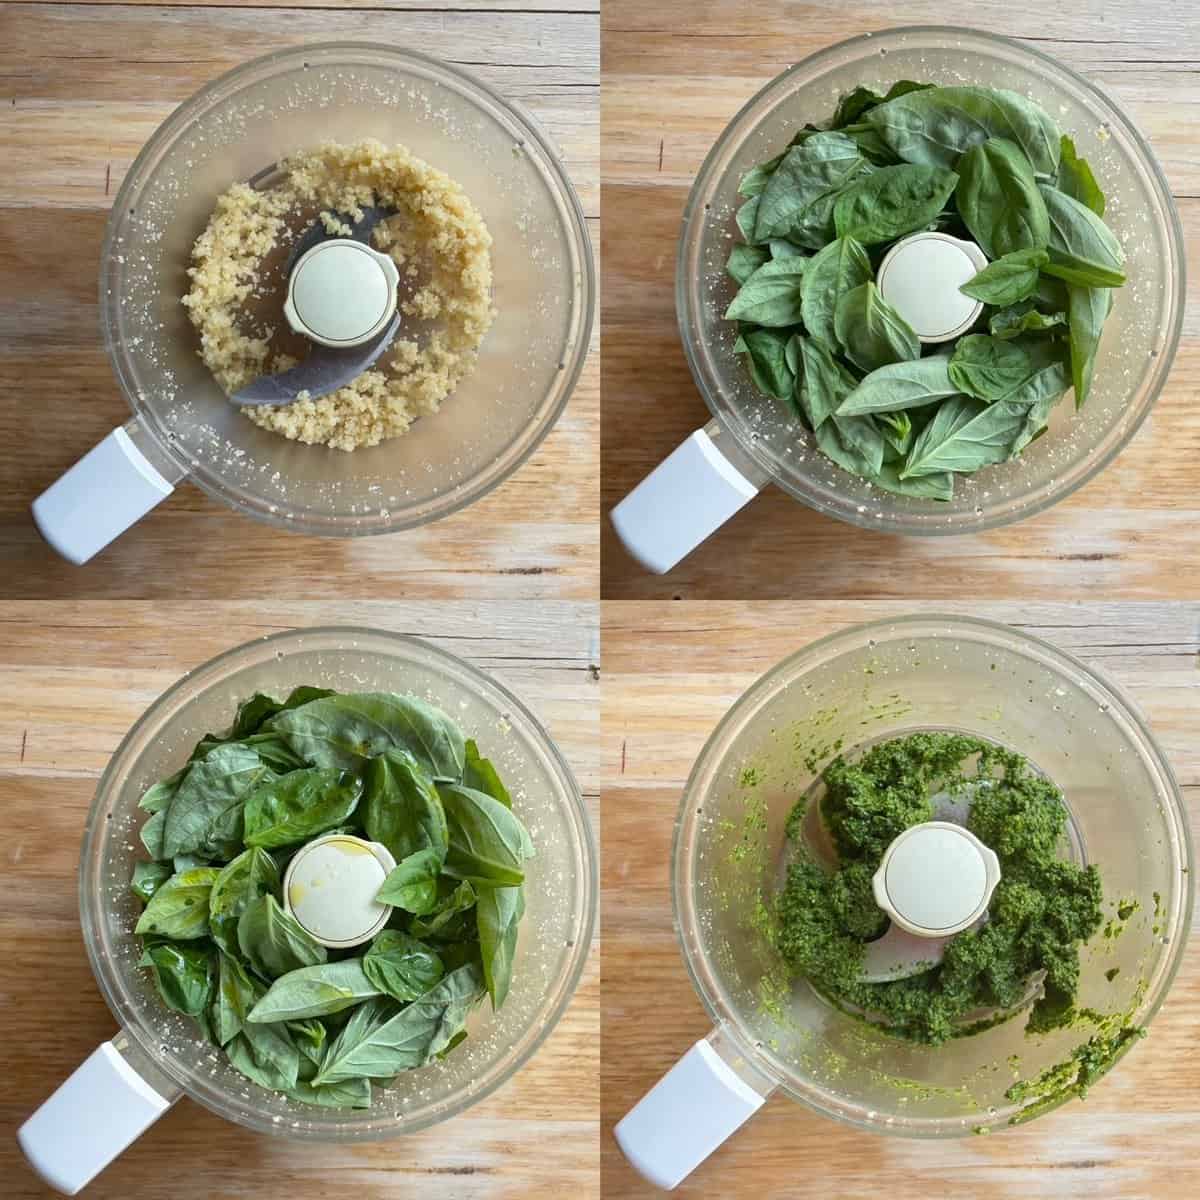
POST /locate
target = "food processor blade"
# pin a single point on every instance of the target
(327, 368)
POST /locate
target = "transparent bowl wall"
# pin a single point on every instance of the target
(882, 680)
(560, 884)
(1140, 336)
(544, 288)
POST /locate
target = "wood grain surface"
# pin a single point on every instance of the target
(674, 74)
(82, 86)
(670, 673)
(76, 676)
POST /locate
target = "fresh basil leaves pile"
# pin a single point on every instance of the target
(976, 163)
(292, 1016)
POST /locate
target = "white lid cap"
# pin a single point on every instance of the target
(330, 888)
(341, 293)
(920, 277)
(936, 879)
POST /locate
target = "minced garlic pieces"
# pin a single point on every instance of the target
(439, 244)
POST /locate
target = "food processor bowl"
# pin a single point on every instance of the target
(754, 439)
(773, 1032)
(184, 424)
(160, 1055)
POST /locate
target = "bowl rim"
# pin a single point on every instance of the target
(948, 626)
(570, 792)
(931, 524)
(307, 521)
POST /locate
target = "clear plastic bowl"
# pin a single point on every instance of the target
(886, 679)
(560, 887)
(530, 359)
(1140, 337)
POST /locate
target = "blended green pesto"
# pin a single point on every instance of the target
(1042, 910)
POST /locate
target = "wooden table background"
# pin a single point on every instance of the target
(75, 677)
(82, 86)
(670, 673)
(674, 73)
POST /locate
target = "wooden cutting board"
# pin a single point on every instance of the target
(82, 86)
(75, 677)
(670, 673)
(674, 76)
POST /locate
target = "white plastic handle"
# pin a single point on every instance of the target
(690, 1111)
(94, 1115)
(109, 489)
(685, 499)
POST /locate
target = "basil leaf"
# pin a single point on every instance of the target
(148, 877)
(236, 995)
(314, 991)
(755, 180)
(897, 430)
(937, 125)
(402, 966)
(823, 383)
(299, 806)
(348, 1093)
(999, 200)
(871, 331)
(274, 942)
(183, 974)
(986, 367)
(939, 486)
(272, 749)
(311, 1038)
(1023, 318)
(401, 806)
(379, 1048)
(781, 248)
(150, 834)
(343, 731)
(892, 202)
(798, 200)
(412, 883)
(1036, 418)
(767, 351)
(179, 908)
(854, 443)
(159, 795)
(901, 385)
(1075, 178)
(251, 714)
(205, 815)
(497, 915)
(851, 106)
(1088, 309)
(1082, 249)
(964, 435)
(854, 105)
(747, 218)
(487, 842)
(744, 261)
(771, 296)
(453, 902)
(1009, 279)
(1046, 380)
(248, 877)
(268, 1058)
(832, 272)
(481, 775)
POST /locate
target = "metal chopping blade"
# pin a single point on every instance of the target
(326, 368)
